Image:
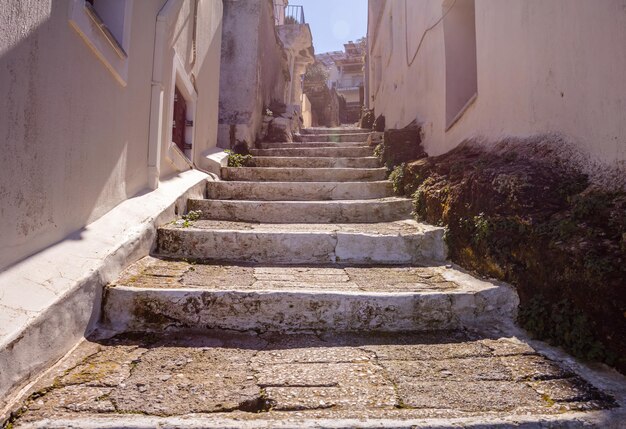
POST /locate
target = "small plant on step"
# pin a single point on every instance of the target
(188, 219)
(378, 151)
(397, 178)
(238, 160)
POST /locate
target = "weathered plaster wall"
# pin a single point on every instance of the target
(253, 69)
(542, 67)
(201, 70)
(207, 77)
(74, 206)
(298, 43)
(74, 140)
(272, 57)
(178, 48)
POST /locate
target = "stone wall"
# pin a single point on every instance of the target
(517, 212)
(325, 105)
(253, 72)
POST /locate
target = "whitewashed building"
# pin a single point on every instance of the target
(490, 69)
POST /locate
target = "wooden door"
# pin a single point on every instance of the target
(180, 117)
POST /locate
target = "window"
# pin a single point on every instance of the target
(459, 28)
(104, 25)
(112, 13)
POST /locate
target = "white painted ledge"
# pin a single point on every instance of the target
(178, 159)
(49, 301)
(213, 160)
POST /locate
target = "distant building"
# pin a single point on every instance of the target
(346, 75)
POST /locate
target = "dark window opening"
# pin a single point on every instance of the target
(461, 66)
(112, 14)
(180, 121)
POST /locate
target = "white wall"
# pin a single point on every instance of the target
(297, 42)
(207, 76)
(200, 74)
(74, 140)
(542, 67)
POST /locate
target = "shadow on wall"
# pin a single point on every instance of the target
(67, 157)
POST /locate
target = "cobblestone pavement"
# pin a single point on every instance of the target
(444, 374)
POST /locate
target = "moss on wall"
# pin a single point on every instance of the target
(539, 225)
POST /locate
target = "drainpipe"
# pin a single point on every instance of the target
(165, 18)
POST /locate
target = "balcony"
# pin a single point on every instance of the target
(347, 84)
(288, 15)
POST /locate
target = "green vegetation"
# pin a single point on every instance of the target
(190, 217)
(238, 160)
(539, 226)
(563, 324)
(316, 73)
(397, 178)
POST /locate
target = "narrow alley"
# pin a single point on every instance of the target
(268, 236)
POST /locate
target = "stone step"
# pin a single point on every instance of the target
(270, 174)
(311, 144)
(156, 294)
(399, 242)
(319, 162)
(350, 211)
(322, 131)
(299, 191)
(335, 152)
(346, 137)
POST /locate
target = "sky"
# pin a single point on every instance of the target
(334, 22)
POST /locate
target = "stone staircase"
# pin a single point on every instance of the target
(303, 294)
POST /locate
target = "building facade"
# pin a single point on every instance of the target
(486, 70)
(108, 105)
(95, 94)
(266, 47)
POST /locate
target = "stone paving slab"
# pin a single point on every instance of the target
(343, 211)
(244, 377)
(312, 143)
(335, 130)
(335, 152)
(286, 174)
(330, 419)
(378, 228)
(298, 191)
(312, 162)
(155, 272)
(343, 137)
